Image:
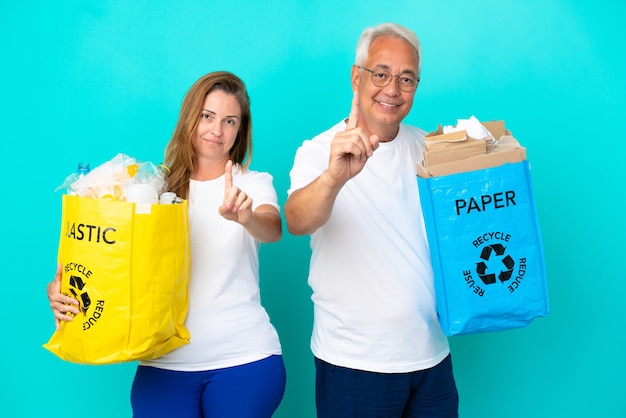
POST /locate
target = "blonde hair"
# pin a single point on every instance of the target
(180, 154)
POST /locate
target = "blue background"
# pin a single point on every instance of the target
(84, 80)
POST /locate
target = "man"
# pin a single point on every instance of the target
(379, 350)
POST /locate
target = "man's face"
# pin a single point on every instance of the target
(383, 108)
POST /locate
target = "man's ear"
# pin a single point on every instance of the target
(355, 76)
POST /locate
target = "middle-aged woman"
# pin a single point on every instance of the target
(233, 365)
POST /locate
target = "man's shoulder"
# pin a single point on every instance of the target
(412, 135)
(330, 132)
(413, 131)
(323, 139)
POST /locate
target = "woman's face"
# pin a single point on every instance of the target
(217, 130)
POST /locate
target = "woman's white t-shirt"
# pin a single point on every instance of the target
(227, 323)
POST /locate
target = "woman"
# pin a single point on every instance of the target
(232, 366)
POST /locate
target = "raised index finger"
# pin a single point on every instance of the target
(228, 177)
(353, 119)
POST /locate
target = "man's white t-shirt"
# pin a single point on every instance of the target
(370, 270)
(227, 323)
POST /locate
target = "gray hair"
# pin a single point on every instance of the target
(387, 29)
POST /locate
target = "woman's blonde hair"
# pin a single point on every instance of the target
(180, 154)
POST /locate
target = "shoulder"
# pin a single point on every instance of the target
(257, 184)
(325, 138)
(318, 147)
(412, 135)
(413, 131)
(248, 176)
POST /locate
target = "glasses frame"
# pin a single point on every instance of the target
(391, 76)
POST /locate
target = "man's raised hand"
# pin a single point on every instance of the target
(351, 148)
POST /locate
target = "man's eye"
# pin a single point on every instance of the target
(380, 75)
(407, 81)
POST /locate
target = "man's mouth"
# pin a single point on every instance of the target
(387, 105)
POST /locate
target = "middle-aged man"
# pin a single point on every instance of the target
(379, 350)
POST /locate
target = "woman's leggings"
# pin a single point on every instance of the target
(252, 390)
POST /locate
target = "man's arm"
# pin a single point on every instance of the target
(310, 207)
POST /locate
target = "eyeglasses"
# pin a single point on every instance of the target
(382, 78)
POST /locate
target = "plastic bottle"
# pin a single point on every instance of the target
(167, 198)
(142, 193)
(164, 170)
(81, 171)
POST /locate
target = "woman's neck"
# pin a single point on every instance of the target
(209, 170)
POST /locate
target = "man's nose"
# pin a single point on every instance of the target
(394, 84)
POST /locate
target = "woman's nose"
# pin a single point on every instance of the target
(215, 128)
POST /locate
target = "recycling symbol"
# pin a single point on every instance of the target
(77, 285)
(494, 264)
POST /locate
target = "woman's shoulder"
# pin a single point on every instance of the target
(250, 175)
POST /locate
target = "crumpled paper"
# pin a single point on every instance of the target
(472, 126)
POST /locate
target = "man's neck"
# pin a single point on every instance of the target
(386, 133)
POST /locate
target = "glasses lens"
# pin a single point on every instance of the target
(381, 78)
(407, 83)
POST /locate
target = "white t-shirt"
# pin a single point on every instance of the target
(370, 272)
(227, 323)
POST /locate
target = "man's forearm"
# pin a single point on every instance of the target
(309, 208)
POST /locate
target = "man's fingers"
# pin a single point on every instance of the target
(353, 119)
(374, 142)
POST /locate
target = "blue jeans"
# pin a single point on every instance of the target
(349, 393)
(252, 390)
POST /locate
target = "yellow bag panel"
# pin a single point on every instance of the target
(130, 274)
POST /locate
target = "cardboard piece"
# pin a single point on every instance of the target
(496, 127)
(445, 152)
(438, 137)
(449, 154)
